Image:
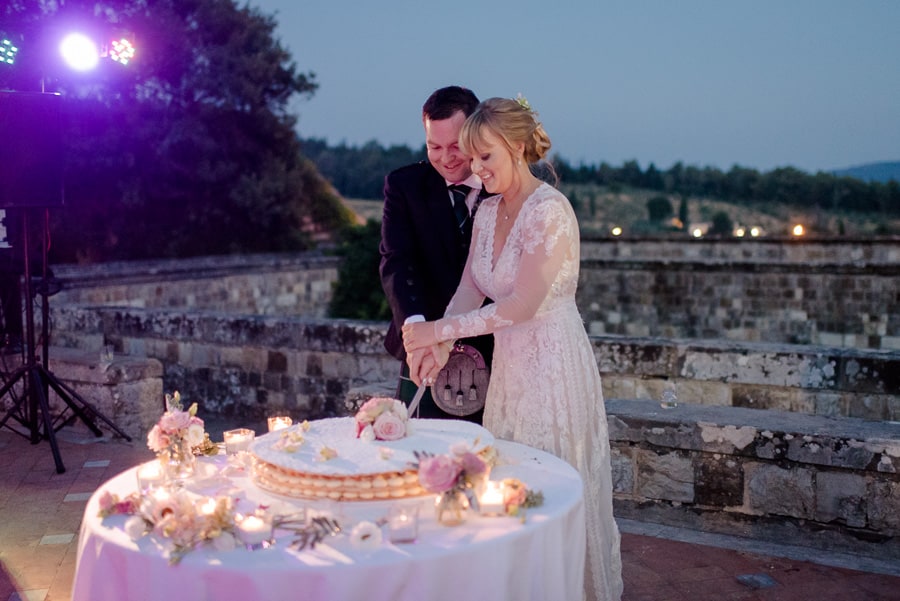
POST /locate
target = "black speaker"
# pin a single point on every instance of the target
(31, 150)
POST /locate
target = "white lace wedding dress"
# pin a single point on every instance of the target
(545, 388)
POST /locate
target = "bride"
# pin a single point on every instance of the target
(545, 388)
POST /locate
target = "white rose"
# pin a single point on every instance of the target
(367, 434)
(195, 434)
(366, 536)
(400, 410)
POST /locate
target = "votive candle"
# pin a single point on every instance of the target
(150, 475)
(403, 524)
(207, 507)
(238, 440)
(279, 422)
(254, 531)
(491, 500)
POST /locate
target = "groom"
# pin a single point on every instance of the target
(424, 245)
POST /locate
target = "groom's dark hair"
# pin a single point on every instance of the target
(446, 101)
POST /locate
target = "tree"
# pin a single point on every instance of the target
(721, 224)
(659, 209)
(191, 148)
(358, 293)
(683, 213)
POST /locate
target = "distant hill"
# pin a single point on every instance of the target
(873, 172)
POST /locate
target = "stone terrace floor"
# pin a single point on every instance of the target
(40, 514)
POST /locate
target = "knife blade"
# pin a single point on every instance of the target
(414, 403)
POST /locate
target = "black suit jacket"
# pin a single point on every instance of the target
(423, 252)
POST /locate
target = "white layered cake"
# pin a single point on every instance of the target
(325, 459)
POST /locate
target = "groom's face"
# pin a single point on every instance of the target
(442, 143)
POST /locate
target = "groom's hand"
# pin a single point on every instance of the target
(421, 364)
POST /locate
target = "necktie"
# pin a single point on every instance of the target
(459, 193)
(482, 194)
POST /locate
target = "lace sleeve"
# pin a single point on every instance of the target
(549, 233)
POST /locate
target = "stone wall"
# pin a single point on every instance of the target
(247, 365)
(126, 390)
(768, 475)
(807, 379)
(254, 364)
(254, 284)
(832, 293)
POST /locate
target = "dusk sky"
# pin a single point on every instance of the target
(813, 84)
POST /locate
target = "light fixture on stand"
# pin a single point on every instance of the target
(31, 180)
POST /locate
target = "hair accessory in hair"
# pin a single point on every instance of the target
(523, 102)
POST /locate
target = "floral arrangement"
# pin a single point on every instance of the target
(517, 497)
(458, 474)
(183, 523)
(382, 418)
(179, 431)
(175, 518)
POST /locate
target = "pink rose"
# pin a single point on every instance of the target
(474, 465)
(174, 421)
(438, 474)
(389, 426)
(107, 502)
(157, 440)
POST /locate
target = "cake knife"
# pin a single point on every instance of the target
(414, 403)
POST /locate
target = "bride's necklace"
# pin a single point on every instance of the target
(504, 204)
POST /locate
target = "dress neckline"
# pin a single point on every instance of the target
(496, 256)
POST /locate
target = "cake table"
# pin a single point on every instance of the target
(485, 558)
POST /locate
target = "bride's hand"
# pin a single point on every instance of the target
(418, 335)
(421, 366)
(426, 363)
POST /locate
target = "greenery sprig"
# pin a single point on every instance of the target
(308, 535)
(523, 102)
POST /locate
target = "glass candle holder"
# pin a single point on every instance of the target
(149, 476)
(491, 500)
(403, 523)
(254, 531)
(279, 422)
(238, 440)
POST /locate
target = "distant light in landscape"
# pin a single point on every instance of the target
(798, 230)
(616, 231)
(79, 51)
(697, 232)
(8, 52)
(121, 51)
(754, 231)
(740, 232)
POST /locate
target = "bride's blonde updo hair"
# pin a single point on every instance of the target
(513, 121)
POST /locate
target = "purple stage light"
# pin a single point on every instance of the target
(8, 51)
(79, 51)
(121, 51)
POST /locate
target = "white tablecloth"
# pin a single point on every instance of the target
(487, 558)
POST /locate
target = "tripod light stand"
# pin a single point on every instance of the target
(32, 409)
